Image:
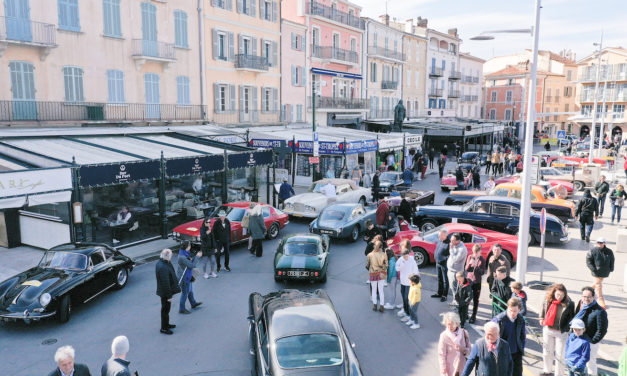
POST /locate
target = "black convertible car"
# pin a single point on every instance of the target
(295, 332)
(67, 274)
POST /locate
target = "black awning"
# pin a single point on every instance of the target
(251, 159)
(194, 165)
(118, 173)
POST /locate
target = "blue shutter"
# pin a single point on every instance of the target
(149, 30)
(115, 86)
(111, 86)
(73, 83)
(182, 90)
(111, 17)
(151, 82)
(180, 28)
(68, 15)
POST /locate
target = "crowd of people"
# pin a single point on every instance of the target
(116, 365)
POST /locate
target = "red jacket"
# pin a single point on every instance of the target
(382, 213)
(625, 165)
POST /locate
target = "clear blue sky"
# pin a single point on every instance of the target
(570, 24)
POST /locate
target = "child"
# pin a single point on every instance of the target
(392, 279)
(463, 296)
(519, 293)
(501, 289)
(415, 293)
(577, 349)
(402, 223)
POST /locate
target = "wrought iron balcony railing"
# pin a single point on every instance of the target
(455, 75)
(389, 85)
(251, 62)
(436, 72)
(339, 103)
(150, 49)
(24, 31)
(386, 52)
(330, 52)
(315, 8)
(435, 92)
(454, 94)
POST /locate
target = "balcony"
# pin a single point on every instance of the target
(316, 9)
(467, 79)
(150, 50)
(339, 103)
(386, 53)
(333, 53)
(435, 92)
(251, 63)
(475, 80)
(455, 75)
(11, 111)
(247, 116)
(466, 98)
(436, 72)
(454, 94)
(389, 85)
(24, 32)
(475, 98)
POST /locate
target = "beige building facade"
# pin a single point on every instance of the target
(415, 48)
(471, 68)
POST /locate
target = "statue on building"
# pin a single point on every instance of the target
(399, 116)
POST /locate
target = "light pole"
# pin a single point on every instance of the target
(525, 200)
(594, 108)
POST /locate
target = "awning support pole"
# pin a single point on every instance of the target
(163, 218)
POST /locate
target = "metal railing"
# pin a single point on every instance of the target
(475, 79)
(436, 72)
(246, 117)
(467, 79)
(153, 49)
(466, 98)
(453, 93)
(475, 98)
(455, 75)
(386, 52)
(96, 111)
(243, 61)
(338, 102)
(330, 52)
(26, 31)
(317, 9)
(610, 96)
(389, 85)
(435, 92)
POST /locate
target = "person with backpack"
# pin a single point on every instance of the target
(587, 211)
(617, 199)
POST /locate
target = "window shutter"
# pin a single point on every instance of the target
(184, 28)
(275, 11)
(253, 41)
(111, 86)
(241, 103)
(216, 98)
(240, 45)
(293, 75)
(117, 22)
(262, 8)
(179, 90)
(108, 22)
(214, 3)
(255, 112)
(293, 41)
(229, 4)
(120, 80)
(275, 99)
(232, 104)
(303, 42)
(263, 99)
(275, 50)
(63, 16)
(253, 8)
(231, 50)
(216, 44)
(303, 82)
(240, 5)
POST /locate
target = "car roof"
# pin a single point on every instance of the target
(344, 206)
(302, 238)
(82, 248)
(453, 227)
(299, 312)
(498, 199)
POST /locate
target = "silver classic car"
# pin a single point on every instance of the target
(323, 193)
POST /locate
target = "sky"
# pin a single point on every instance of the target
(564, 24)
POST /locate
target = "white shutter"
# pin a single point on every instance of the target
(214, 3)
(275, 99)
(275, 49)
(255, 112)
(240, 5)
(303, 82)
(303, 42)
(262, 8)
(232, 104)
(241, 103)
(293, 41)
(216, 45)
(275, 11)
(231, 50)
(263, 99)
(240, 44)
(252, 6)
(293, 75)
(229, 4)
(216, 98)
(253, 41)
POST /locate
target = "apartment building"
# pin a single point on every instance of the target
(333, 52)
(108, 61)
(293, 72)
(242, 65)
(471, 84)
(443, 74)
(611, 94)
(415, 48)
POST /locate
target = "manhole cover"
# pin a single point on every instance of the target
(49, 341)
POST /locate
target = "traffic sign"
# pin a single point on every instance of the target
(316, 145)
(542, 221)
(561, 135)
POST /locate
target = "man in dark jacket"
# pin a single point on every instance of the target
(476, 177)
(595, 318)
(117, 365)
(501, 289)
(441, 256)
(587, 211)
(431, 157)
(475, 268)
(222, 236)
(463, 296)
(285, 191)
(600, 260)
(490, 355)
(513, 330)
(601, 188)
(64, 357)
(376, 184)
(167, 286)
(441, 164)
(496, 261)
(459, 178)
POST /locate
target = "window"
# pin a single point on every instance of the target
(68, 15)
(408, 78)
(493, 114)
(619, 111)
(500, 209)
(111, 15)
(443, 65)
(373, 72)
(224, 4)
(315, 36)
(586, 109)
(180, 29)
(555, 116)
(73, 82)
(266, 10)
(569, 75)
(221, 46)
(493, 96)
(222, 97)
(182, 90)
(508, 114)
(299, 112)
(508, 96)
(115, 86)
(566, 106)
(353, 44)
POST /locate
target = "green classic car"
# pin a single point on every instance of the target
(302, 257)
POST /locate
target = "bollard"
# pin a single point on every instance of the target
(621, 240)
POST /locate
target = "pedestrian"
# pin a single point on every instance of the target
(557, 312)
(405, 210)
(456, 149)
(167, 287)
(245, 222)
(600, 261)
(431, 157)
(489, 185)
(577, 353)
(520, 294)
(415, 294)
(459, 178)
(419, 166)
(456, 259)
(512, 163)
(377, 265)
(501, 290)
(186, 263)
(490, 355)
(371, 231)
(441, 255)
(602, 188)
(64, 357)
(617, 199)
(475, 268)
(408, 177)
(587, 211)
(513, 329)
(469, 178)
(547, 146)
(423, 171)
(405, 266)
(595, 320)
(376, 186)
(391, 226)
(403, 225)
(258, 230)
(495, 163)
(488, 163)
(330, 174)
(502, 159)
(392, 281)
(356, 175)
(381, 217)
(207, 246)
(445, 151)
(117, 365)
(463, 295)
(622, 362)
(453, 346)
(476, 177)
(285, 191)
(441, 164)
(222, 235)
(495, 261)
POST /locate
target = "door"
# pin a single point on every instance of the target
(23, 90)
(149, 30)
(151, 82)
(18, 20)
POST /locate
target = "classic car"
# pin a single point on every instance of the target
(563, 209)
(584, 177)
(342, 221)
(414, 196)
(67, 274)
(493, 213)
(390, 181)
(423, 244)
(311, 203)
(469, 157)
(296, 332)
(449, 181)
(583, 158)
(302, 257)
(545, 184)
(274, 219)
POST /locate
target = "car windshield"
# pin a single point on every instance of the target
(233, 214)
(551, 171)
(431, 236)
(300, 248)
(332, 215)
(387, 176)
(309, 350)
(468, 156)
(316, 188)
(64, 261)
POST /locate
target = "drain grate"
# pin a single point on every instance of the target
(49, 341)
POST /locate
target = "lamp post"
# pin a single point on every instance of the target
(594, 108)
(525, 200)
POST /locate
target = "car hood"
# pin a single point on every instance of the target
(386, 183)
(561, 202)
(191, 228)
(299, 262)
(310, 198)
(468, 193)
(29, 285)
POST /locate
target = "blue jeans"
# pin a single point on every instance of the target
(575, 371)
(442, 279)
(616, 210)
(585, 226)
(601, 200)
(413, 313)
(187, 292)
(405, 296)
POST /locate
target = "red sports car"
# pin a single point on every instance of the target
(449, 181)
(423, 245)
(569, 186)
(274, 219)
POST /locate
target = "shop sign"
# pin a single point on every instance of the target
(255, 158)
(413, 140)
(266, 144)
(314, 160)
(194, 166)
(390, 143)
(21, 183)
(325, 147)
(119, 173)
(363, 146)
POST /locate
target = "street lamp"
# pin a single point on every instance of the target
(525, 200)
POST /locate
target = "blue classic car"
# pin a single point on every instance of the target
(390, 181)
(342, 221)
(493, 213)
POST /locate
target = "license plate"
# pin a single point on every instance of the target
(295, 273)
(330, 232)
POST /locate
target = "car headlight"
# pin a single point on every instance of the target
(176, 234)
(197, 238)
(289, 205)
(44, 299)
(390, 242)
(310, 208)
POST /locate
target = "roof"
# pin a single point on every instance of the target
(82, 248)
(499, 199)
(459, 227)
(303, 314)
(508, 71)
(244, 204)
(345, 206)
(561, 59)
(467, 55)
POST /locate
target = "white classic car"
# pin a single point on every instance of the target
(310, 204)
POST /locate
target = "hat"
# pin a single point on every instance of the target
(221, 213)
(285, 180)
(601, 240)
(577, 324)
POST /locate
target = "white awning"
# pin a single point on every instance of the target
(14, 202)
(49, 198)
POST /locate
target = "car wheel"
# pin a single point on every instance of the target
(579, 185)
(273, 231)
(121, 278)
(354, 234)
(421, 256)
(65, 309)
(427, 226)
(509, 257)
(362, 201)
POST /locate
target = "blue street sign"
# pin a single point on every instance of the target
(561, 134)
(542, 220)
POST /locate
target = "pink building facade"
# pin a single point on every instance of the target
(293, 72)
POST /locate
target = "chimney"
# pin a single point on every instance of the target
(453, 32)
(385, 19)
(422, 22)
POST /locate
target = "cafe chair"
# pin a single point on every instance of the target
(194, 213)
(177, 206)
(188, 203)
